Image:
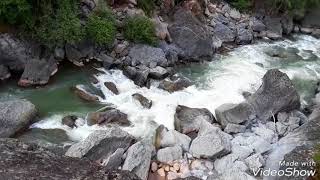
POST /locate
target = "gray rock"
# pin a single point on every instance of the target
(244, 36)
(77, 53)
(273, 36)
(101, 144)
(69, 121)
(59, 53)
(254, 162)
(175, 83)
(224, 33)
(55, 140)
(107, 117)
(234, 113)
(114, 161)
(287, 24)
(174, 138)
(16, 115)
(274, 25)
(306, 30)
(112, 87)
(257, 25)
(38, 71)
(190, 35)
(138, 75)
(235, 14)
(158, 73)
(83, 94)
(107, 61)
(4, 72)
(18, 160)
(147, 56)
(32, 60)
(190, 119)
(146, 103)
(234, 128)
(277, 93)
(216, 143)
(169, 154)
(139, 158)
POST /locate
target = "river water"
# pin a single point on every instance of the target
(221, 81)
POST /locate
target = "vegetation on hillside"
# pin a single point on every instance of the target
(147, 6)
(140, 29)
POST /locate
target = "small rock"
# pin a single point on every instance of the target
(169, 154)
(235, 14)
(234, 128)
(70, 121)
(82, 94)
(109, 116)
(158, 73)
(146, 103)
(175, 83)
(154, 167)
(112, 87)
(161, 172)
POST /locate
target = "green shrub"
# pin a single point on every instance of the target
(101, 28)
(292, 6)
(140, 29)
(242, 5)
(15, 11)
(147, 6)
(58, 24)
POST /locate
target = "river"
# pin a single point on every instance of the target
(221, 81)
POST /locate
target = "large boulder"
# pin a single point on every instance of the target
(32, 60)
(55, 140)
(210, 143)
(107, 117)
(138, 159)
(101, 145)
(148, 56)
(18, 160)
(187, 119)
(190, 35)
(224, 33)
(277, 93)
(15, 115)
(234, 114)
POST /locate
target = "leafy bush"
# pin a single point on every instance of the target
(293, 6)
(101, 28)
(147, 6)
(15, 11)
(140, 29)
(242, 5)
(58, 23)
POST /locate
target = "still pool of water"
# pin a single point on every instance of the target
(221, 81)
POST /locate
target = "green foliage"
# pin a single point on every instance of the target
(147, 6)
(140, 29)
(15, 11)
(57, 23)
(242, 5)
(101, 28)
(293, 6)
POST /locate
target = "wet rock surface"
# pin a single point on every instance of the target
(15, 116)
(18, 161)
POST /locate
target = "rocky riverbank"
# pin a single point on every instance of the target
(217, 27)
(239, 140)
